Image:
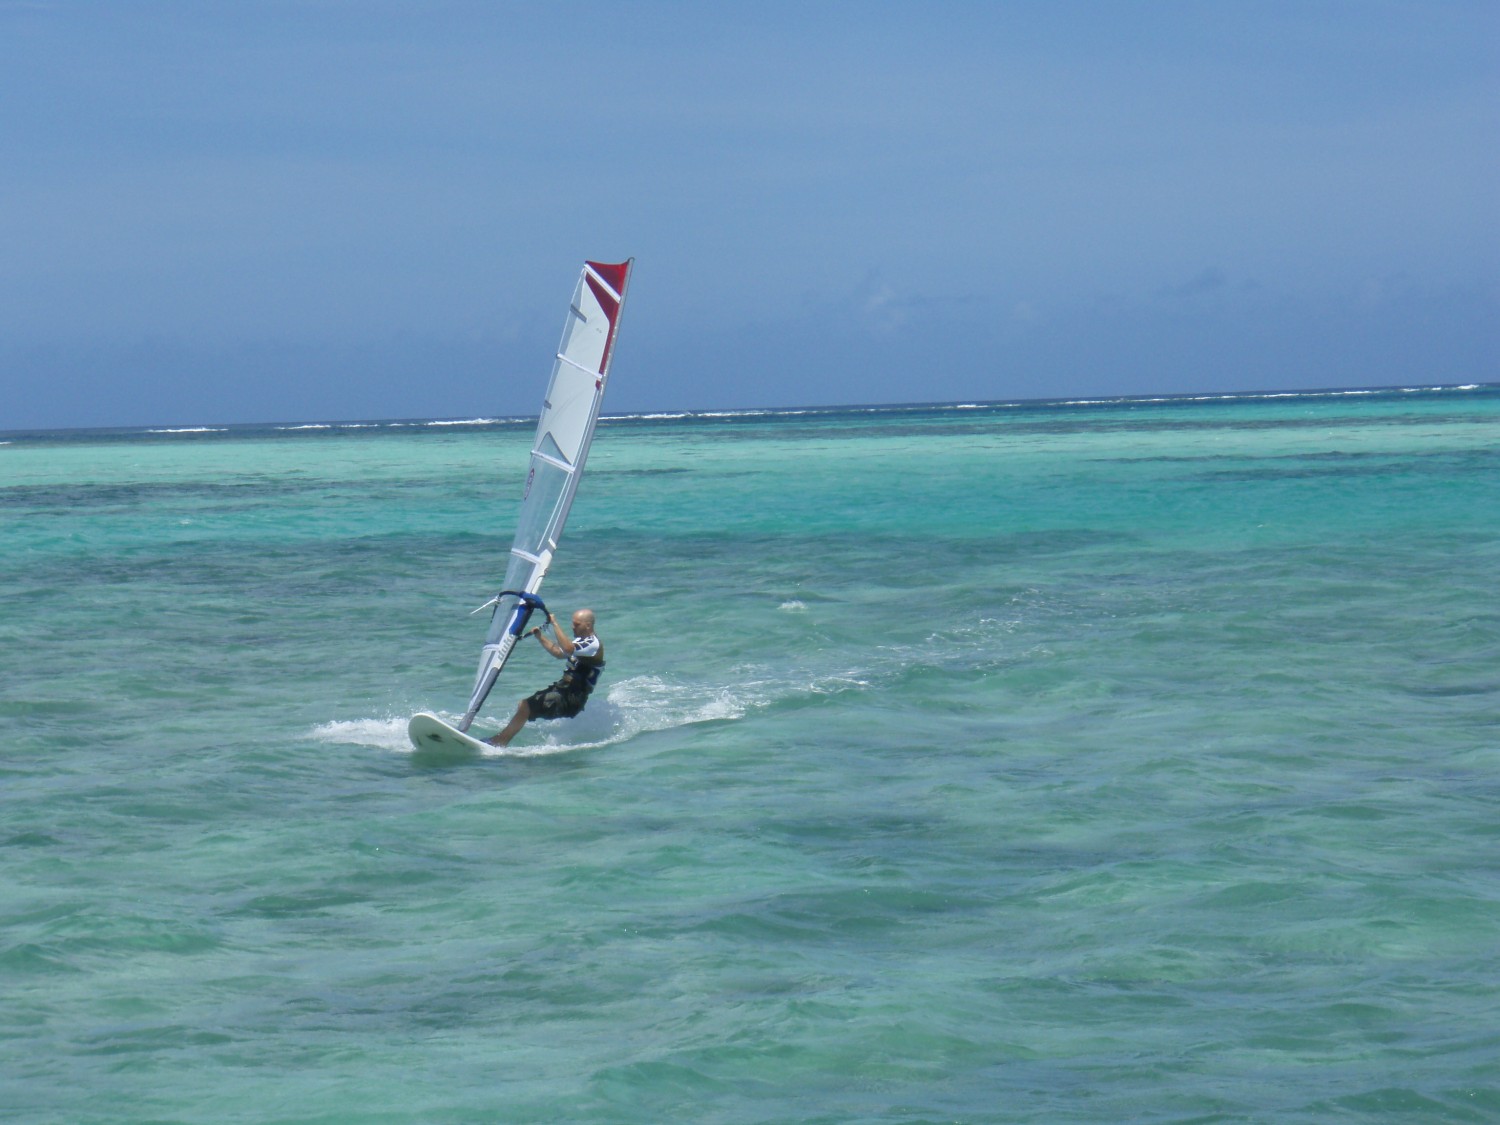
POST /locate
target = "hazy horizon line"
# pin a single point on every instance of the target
(670, 414)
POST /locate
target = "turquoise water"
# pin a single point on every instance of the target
(1081, 762)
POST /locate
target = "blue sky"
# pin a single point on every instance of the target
(258, 211)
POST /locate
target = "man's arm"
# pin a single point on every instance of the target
(563, 648)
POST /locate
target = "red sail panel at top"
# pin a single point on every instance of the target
(613, 274)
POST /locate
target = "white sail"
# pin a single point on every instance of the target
(563, 434)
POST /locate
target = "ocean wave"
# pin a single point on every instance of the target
(684, 415)
(1267, 396)
(648, 704)
(1011, 404)
(388, 733)
(640, 705)
(191, 430)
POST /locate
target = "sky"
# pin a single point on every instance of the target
(297, 210)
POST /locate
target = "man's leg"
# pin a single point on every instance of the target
(513, 728)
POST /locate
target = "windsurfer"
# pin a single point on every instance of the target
(584, 653)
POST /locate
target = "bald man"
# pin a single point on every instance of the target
(584, 653)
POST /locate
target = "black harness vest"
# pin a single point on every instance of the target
(582, 673)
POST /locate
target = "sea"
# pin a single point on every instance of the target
(1127, 759)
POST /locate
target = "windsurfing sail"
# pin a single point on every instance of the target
(564, 431)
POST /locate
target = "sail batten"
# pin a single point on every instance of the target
(571, 363)
(565, 430)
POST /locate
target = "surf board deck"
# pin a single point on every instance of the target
(428, 732)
